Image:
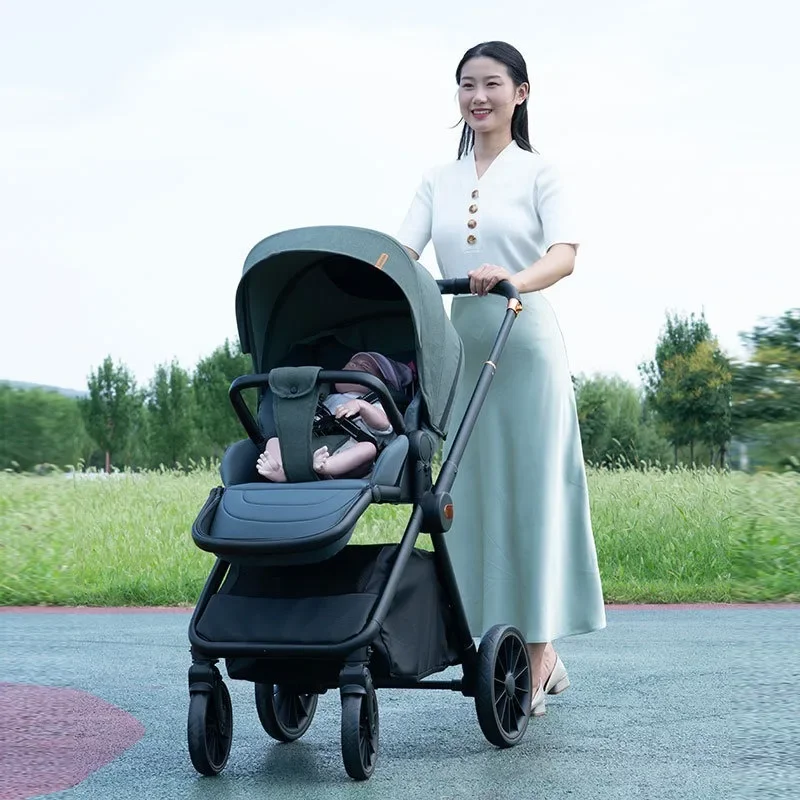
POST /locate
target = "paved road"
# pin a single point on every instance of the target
(665, 703)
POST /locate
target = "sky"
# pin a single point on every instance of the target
(145, 148)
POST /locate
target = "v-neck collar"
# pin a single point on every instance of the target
(474, 164)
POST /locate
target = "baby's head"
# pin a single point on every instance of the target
(394, 374)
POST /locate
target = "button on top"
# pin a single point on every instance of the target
(474, 193)
(293, 390)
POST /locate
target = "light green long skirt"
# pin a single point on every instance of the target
(521, 542)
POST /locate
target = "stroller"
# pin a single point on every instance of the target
(289, 604)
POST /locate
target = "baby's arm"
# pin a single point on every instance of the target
(374, 416)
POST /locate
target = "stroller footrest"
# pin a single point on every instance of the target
(315, 519)
(283, 620)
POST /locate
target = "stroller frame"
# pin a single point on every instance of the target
(502, 701)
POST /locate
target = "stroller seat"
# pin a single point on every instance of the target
(306, 521)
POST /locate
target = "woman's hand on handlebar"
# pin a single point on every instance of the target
(486, 277)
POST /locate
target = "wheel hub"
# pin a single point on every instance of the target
(511, 684)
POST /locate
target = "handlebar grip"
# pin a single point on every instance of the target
(461, 286)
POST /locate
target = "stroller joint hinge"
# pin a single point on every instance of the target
(437, 512)
(355, 679)
(203, 677)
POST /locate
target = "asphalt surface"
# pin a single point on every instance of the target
(665, 703)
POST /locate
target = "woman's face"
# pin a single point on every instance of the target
(487, 96)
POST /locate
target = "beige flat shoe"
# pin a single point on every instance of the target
(558, 680)
(538, 706)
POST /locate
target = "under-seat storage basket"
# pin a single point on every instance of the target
(329, 602)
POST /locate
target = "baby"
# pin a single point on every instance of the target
(353, 457)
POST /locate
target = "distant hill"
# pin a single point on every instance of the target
(59, 389)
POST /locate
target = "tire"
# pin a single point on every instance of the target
(503, 686)
(210, 729)
(360, 734)
(284, 715)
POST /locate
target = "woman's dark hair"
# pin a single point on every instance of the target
(518, 72)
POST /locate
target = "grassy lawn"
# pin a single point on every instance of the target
(662, 537)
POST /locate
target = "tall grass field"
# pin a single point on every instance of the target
(662, 537)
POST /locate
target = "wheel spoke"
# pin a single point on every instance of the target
(279, 704)
(519, 658)
(301, 710)
(516, 702)
(523, 671)
(294, 713)
(501, 659)
(499, 672)
(510, 718)
(503, 707)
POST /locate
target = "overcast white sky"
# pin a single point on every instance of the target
(146, 147)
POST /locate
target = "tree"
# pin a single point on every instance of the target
(766, 408)
(38, 426)
(111, 408)
(696, 388)
(217, 422)
(615, 427)
(688, 386)
(170, 416)
(767, 385)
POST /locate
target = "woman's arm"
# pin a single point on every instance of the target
(555, 264)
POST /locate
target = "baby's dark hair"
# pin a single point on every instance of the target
(394, 374)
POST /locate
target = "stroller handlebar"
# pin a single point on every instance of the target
(461, 286)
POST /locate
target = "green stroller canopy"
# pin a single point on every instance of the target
(358, 286)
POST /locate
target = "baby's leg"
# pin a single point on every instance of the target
(270, 463)
(346, 461)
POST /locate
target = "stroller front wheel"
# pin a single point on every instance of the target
(503, 686)
(284, 715)
(210, 729)
(360, 734)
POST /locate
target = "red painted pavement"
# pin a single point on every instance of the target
(51, 738)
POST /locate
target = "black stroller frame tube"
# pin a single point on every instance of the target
(449, 470)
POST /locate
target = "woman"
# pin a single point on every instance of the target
(521, 543)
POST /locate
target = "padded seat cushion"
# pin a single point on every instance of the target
(272, 518)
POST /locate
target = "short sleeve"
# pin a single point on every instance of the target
(552, 206)
(415, 231)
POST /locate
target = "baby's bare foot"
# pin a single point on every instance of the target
(268, 468)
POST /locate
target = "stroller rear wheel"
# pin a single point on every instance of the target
(503, 686)
(360, 733)
(284, 714)
(210, 729)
